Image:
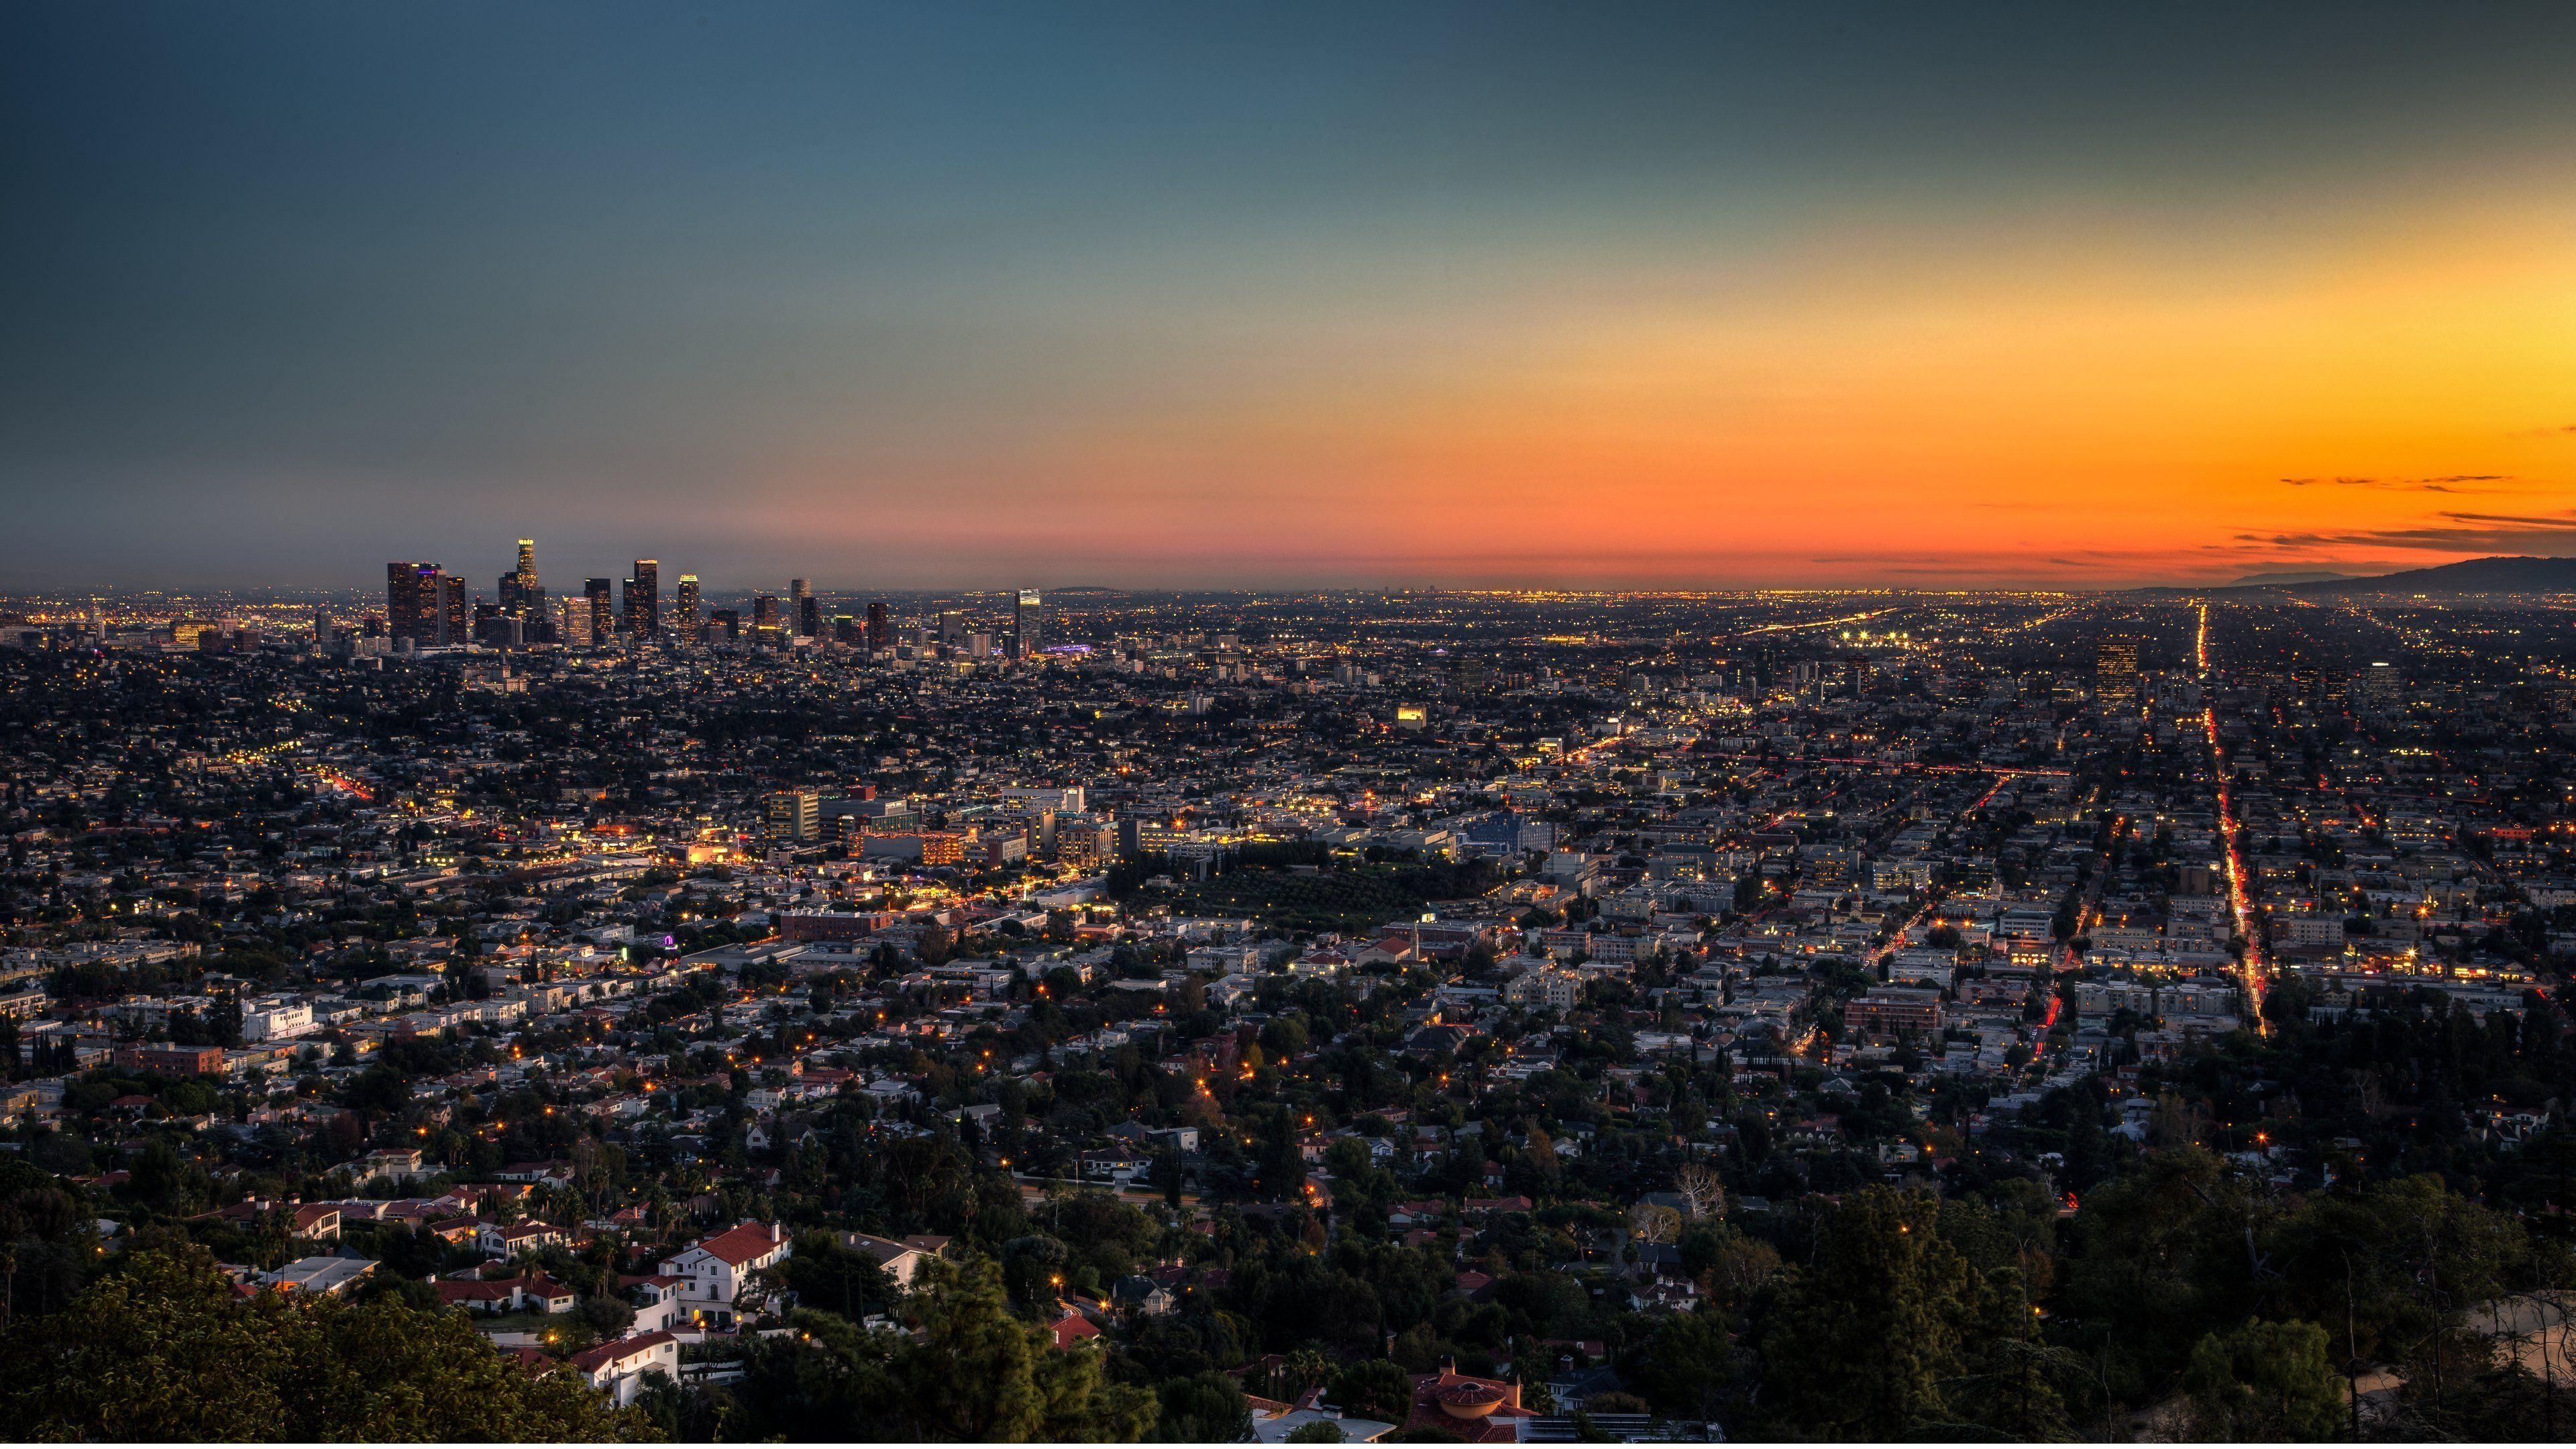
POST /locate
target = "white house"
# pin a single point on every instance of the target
(620, 1367)
(718, 1268)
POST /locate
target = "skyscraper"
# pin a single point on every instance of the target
(452, 612)
(2115, 672)
(574, 627)
(764, 618)
(809, 610)
(411, 602)
(528, 568)
(644, 599)
(880, 633)
(603, 611)
(1028, 624)
(684, 613)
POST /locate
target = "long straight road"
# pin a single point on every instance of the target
(2254, 974)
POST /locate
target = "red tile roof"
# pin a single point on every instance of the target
(589, 1359)
(740, 1245)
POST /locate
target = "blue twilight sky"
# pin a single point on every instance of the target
(1203, 293)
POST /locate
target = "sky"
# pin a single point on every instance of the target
(1235, 295)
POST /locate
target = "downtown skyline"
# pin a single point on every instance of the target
(1141, 297)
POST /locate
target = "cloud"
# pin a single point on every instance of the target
(2450, 531)
(2440, 483)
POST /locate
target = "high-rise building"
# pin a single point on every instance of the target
(684, 616)
(764, 618)
(603, 610)
(453, 612)
(2378, 688)
(2115, 672)
(804, 610)
(519, 595)
(1028, 624)
(573, 627)
(794, 815)
(644, 599)
(880, 632)
(411, 602)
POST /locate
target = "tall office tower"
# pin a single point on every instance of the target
(880, 632)
(764, 618)
(2115, 672)
(1028, 624)
(952, 627)
(452, 612)
(2377, 688)
(684, 618)
(573, 628)
(644, 599)
(794, 815)
(804, 612)
(603, 609)
(411, 602)
(845, 631)
(519, 596)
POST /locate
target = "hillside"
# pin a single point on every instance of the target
(2469, 576)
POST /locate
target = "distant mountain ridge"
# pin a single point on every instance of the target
(2500, 575)
(2283, 580)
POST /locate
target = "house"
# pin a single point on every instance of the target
(1275, 1423)
(517, 1238)
(620, 1367)
(901, 1261)
(1142, 1295)
(716, 1270)
(1455, 1405)
(543, 1174)
(656, 1297)
(533, 1293)
(1073, 1328)
(402, 1164)
(318, 1275)
(452, 1231)
(319, 1221)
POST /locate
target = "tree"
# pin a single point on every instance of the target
(936, 942)
(1205, 1408)
(1374, 1389)
(835, 1279)
(1858, 1346)
(2265, 1381)
(1685, 1367)
(977, 1373)
(162, 1348)
(1654, 1223)
(1700, 1189)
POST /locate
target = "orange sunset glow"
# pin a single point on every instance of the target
(1702, 302)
